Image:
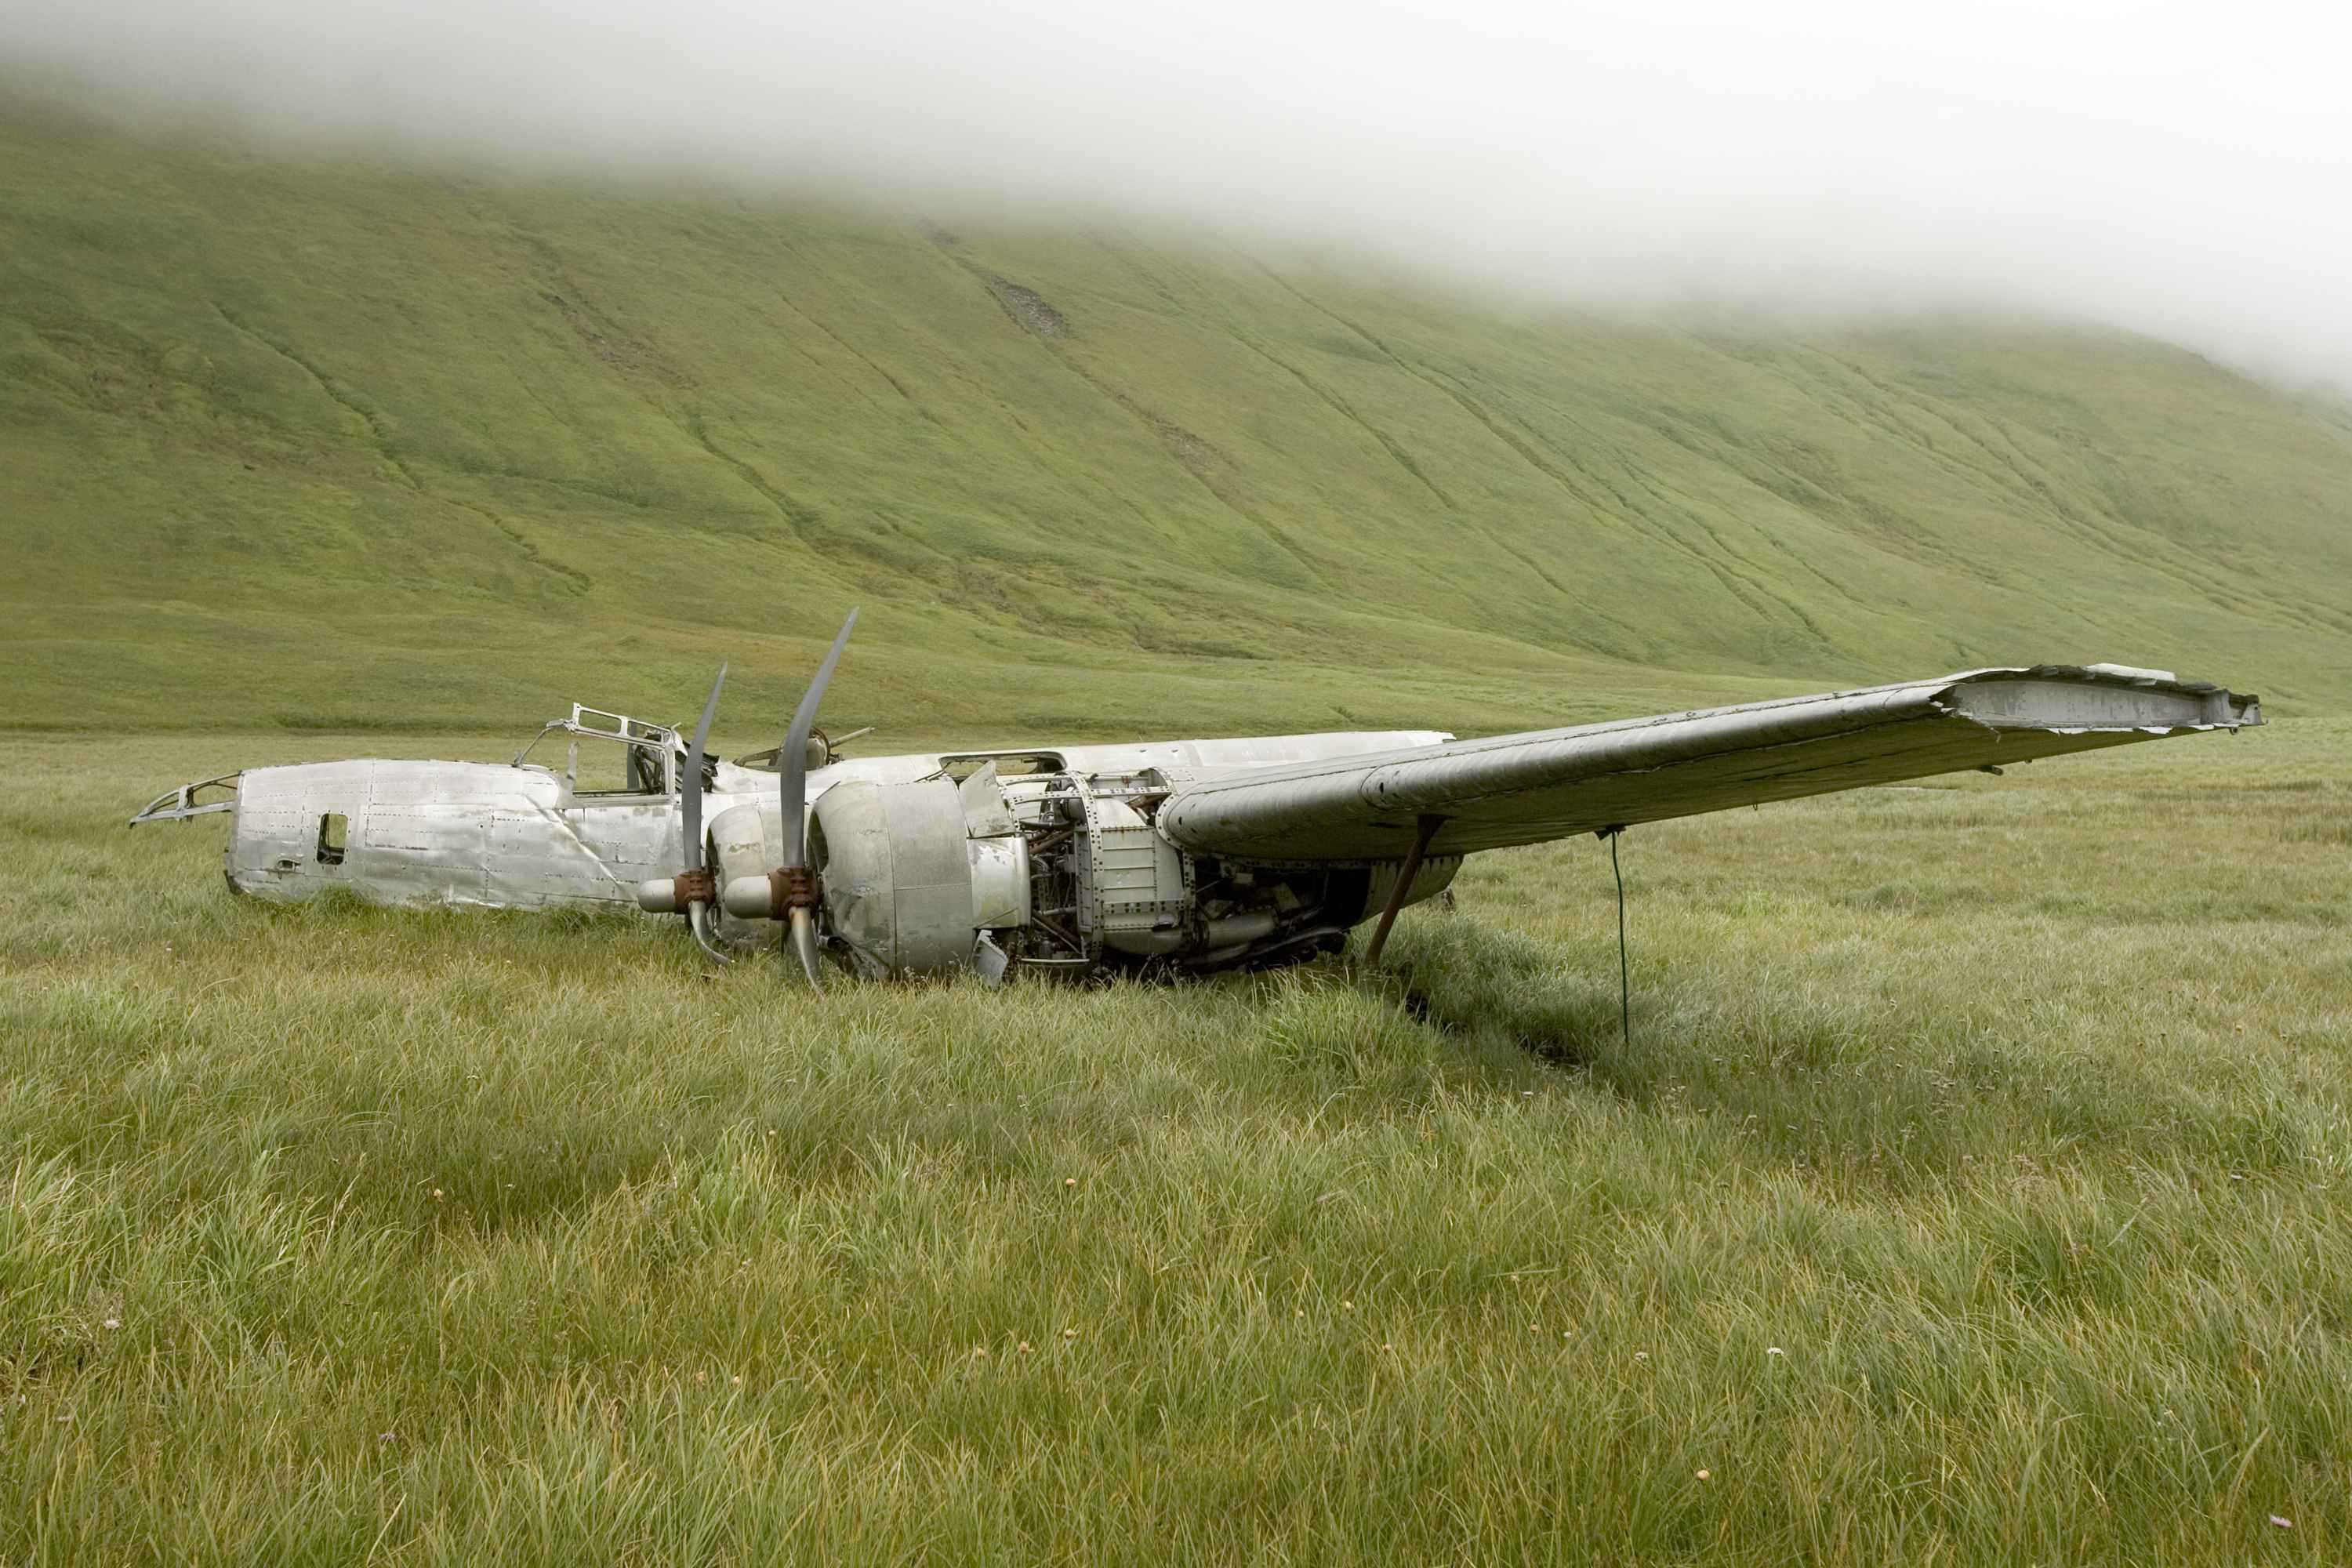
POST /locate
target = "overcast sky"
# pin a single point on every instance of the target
(2182, 169)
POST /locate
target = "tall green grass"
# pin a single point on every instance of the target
(1973, 1188)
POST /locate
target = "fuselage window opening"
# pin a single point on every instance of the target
(333, 830)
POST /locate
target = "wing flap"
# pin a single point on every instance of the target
(1543, 784)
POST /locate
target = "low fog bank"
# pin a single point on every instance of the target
(2142, 166)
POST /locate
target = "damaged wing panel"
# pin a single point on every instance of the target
(1543, 784)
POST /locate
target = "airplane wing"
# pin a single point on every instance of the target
(1549, 784)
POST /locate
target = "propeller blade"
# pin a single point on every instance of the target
(700, 919)
(691, 788)
(804, 943)
(792, 763)
(661, 893)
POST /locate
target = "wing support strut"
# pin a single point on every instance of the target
(1624, 973)
(1425, 829)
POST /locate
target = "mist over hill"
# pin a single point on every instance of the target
(341, 445)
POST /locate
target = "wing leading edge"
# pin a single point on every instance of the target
(1549, 784)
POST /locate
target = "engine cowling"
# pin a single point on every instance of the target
(897, 875)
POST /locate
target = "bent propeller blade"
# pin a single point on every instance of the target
(698, 913)
(691, 802)
(701, 919)
(792, 789)
(802, 936)
(792, 783)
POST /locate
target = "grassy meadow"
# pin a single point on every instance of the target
(1974, 1189)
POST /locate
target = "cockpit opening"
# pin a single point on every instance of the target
(612, 754)
(961, 765)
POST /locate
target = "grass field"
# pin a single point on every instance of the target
(1974, 1189)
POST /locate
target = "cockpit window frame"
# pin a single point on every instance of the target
(961, 765)
(598, 724)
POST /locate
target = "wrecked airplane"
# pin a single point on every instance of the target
(1172, 854)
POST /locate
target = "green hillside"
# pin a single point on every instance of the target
(348, 446)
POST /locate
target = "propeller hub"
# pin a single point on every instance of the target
(776, 895)
(670, 895)
(795, 888)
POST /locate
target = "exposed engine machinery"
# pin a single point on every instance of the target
(1059, 873)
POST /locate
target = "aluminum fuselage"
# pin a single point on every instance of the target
(521, 835)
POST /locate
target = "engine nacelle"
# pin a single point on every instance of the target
(897, 874)
(1062, 873)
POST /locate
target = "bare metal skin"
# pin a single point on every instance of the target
(1183, 855)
